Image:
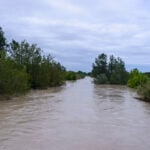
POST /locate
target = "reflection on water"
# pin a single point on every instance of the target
(77, 116)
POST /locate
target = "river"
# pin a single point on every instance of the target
(76, 116)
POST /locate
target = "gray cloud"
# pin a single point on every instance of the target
(75, 31)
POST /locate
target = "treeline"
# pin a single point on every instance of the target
(72, 75)
(113, 71)
(23, 66)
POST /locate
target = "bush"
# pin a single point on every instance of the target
(136, 79)
(22, 64)
(144, 91)
(101, 79)
(70, 75)
(12, 80)
(80, 75)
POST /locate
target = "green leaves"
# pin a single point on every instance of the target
(144, 91)
(23, 53)
(24, 67)
(12, 80)
(100, 65)
(43, 70)
(141, 82)
(70, 75)
(136, 79)
(2, 39)
(112, 71)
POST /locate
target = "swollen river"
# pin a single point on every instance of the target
(76, 116)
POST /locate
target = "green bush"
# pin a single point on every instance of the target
(22, 66)
(70, 75)
(136, 79)
(80, 75)
(101, 79)
(12, 80)
(144, 91)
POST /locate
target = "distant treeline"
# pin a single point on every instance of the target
(23, 66)
(113, 71)
(71, 75)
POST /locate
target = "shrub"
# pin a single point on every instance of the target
(12, 80)
(136, 79)
(144, 91)
(101, 79)
(70, 75)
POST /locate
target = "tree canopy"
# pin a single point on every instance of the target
(24, 66)
(112, 71)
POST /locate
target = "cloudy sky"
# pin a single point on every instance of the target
(76, 31)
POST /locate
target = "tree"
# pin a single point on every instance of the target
(112, 72)
(111, 65)
(100, 65)
(28, 57)
(25, 54)
(57, 74)
(12, 80)
(2, 44)
(117, 72)
(2, 39)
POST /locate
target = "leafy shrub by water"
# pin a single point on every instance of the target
(144, 91)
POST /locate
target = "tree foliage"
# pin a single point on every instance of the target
(24, 67)
(2, 39)
(43, 70)
(2, 44)
(72, 75)
(12, 80)
(144, 91)
(112, 71)
(100, 65)
(136, 78)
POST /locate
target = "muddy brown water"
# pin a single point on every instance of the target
(76, 116)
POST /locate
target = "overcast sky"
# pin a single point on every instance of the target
(76, 31)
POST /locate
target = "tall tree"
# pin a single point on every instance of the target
(2, 39)
(100, 65)
(117, 71)
(23, 53)
(111, 65)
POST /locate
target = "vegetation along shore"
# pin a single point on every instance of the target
(23, 66)
(114, 72)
